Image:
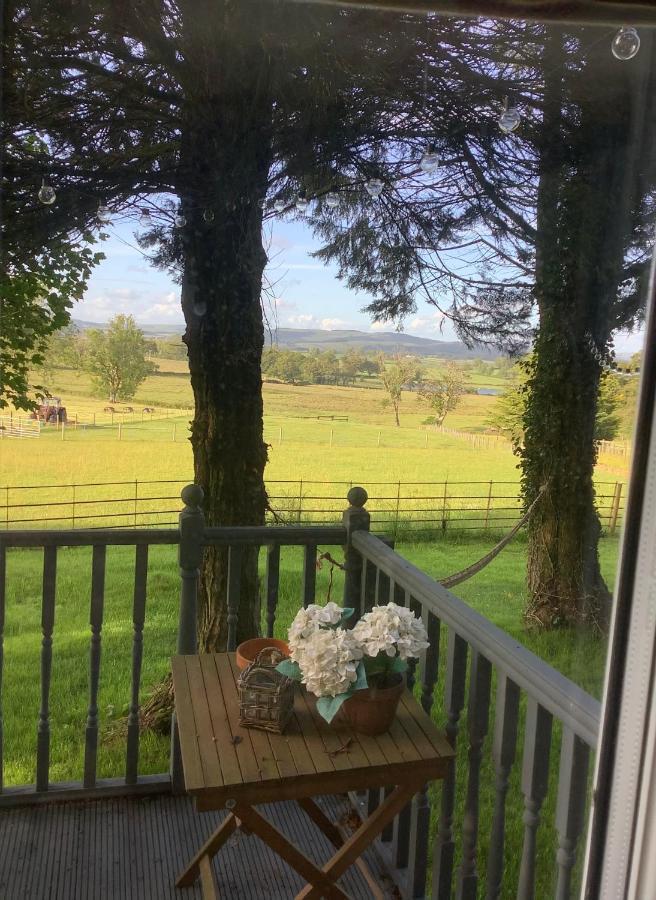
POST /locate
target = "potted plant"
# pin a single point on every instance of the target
(359, 670)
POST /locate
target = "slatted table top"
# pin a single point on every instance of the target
(223, 760)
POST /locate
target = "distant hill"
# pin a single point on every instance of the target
(385, 341)
(340, 341)
(149, 330)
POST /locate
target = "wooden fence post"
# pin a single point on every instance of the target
(615, 508)
(487, 510)
(354, 518)
(190, 555)
(444, 506)
(398, 504)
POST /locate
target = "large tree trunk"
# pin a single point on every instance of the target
(226, 154)
(584, 202)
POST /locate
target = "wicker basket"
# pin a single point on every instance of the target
(266, 698)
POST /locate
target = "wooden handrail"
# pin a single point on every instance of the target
(564, 699)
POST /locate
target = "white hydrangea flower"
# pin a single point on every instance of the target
(391, 629)
(309, 620)
(328, 660)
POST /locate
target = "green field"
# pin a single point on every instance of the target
(366, 448)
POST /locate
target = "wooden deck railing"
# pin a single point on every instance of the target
(475, 649)
(477, 656)
(191, 537)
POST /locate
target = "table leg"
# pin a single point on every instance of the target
(337, 838)
(358, 842)
(209, 849)
(207, 881)
(321, 820)
(321, 882)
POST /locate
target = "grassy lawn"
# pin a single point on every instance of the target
(497, 593)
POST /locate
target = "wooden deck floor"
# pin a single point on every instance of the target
(133, 848)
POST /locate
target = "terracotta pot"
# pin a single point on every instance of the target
(247, 652)
(372, 710)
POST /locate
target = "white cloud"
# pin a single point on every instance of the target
(381, 326)
(432, 323)
(146, 306)
(306, 320)
(281, 304)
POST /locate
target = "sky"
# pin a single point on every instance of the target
(306, 293)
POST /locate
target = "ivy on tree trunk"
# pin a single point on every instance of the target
(585, 198)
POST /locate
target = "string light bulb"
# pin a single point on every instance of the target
(144, 219)
(510, 118)
(208, 215)
(302, 203)
(279, 205)
(374, 187)
(430, 160)
(47, 194)
(104, 214)
(179, 220)
(626, 43)
(332, 199)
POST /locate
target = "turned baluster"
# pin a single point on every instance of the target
(3, 574)
(138, 619)
(96, 618)
(272, 585)
(570, 806)
(234, 583)
(503, 753)
(454, 699)
(47, 626)
(309, 574)
(478, 708)
(420, 811)
(535, 781)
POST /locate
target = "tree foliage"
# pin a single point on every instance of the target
(508, 415)
(399, 374)
(117, 358)
(443, 394)
(317, 366)
(36, 296)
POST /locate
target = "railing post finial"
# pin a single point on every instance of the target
(190, 556)
(354, 518)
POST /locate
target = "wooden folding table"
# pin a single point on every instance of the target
(228, 766)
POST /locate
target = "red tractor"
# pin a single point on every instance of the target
(50, 411)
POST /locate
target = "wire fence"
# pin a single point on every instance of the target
(172, 425)
(395, 507)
